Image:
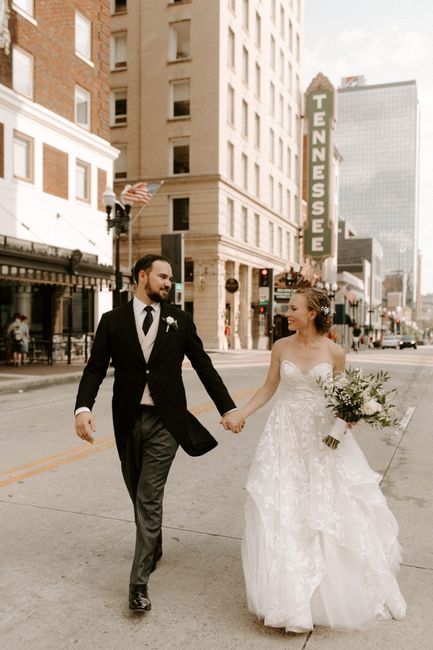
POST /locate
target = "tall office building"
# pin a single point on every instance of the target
(376, 133)
(206, 96)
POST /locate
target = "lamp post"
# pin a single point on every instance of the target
(120, 223)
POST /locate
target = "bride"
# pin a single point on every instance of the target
(320, 544)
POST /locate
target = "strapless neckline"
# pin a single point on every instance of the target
(305, 374)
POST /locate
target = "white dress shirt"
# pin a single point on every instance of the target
(146, 340)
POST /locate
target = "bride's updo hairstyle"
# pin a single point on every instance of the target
(318, 301)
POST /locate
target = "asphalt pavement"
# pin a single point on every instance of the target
(68, 532)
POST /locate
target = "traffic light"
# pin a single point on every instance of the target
(265, 277)
(262, 309)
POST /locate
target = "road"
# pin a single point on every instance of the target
(68, 534)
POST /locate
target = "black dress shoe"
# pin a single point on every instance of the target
(139, 598)
(156, 557)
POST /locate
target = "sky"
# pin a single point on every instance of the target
(386, 41)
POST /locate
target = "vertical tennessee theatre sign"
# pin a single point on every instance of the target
(320, 115)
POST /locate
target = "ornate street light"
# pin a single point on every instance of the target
(120, 221)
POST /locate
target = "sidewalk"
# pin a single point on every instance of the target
(14, 380)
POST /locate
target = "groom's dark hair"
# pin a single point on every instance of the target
(145, 263)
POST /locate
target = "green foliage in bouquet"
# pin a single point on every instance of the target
(353, 396)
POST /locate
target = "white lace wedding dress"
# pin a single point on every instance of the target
(320, 543)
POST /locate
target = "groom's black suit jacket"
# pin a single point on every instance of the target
(116, 339)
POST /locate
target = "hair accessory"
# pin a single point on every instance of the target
(325, 309)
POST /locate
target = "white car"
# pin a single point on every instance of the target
(391, 341)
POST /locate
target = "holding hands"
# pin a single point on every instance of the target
(233, 421)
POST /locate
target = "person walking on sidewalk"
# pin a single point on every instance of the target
(356, 335)
(15, 334)
(146, 340)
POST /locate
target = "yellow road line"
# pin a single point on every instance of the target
(74, 454)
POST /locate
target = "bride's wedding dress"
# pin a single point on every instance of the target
(320, 543)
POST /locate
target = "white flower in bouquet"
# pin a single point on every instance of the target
(371, 407)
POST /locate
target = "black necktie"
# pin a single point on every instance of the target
(148, 320)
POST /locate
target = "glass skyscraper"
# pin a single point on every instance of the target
(376, 134)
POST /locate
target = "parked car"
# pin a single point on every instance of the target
(391, 341)
(407, 341)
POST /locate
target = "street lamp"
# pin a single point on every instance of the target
(120, 223)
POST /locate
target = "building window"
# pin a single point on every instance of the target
(118, 6)
(180, 92)
(272, 99)
(288, 246)
(231, 49)
(273, 11)
(282, 23)
(258, 31)
(189, 271)
(289, 163)
(281, 110)
(22, 72)
(245, 14)
(298, 48)
(258, 81)
(82, 107)
(24, 5)
(271, 191)
(272, 61)
(232, 5)
(180, 212)
(230, 161)
(23, 157)
(119, 51)
(231, 217)
(271, 237)
(257, 229)
(257, 130)
(121, 163)
(280, 242)
(245, 65)
(290, 36)
(82, 181)
(244, 171)
(281, 72)
(280, 198)
(244, 224)
(231, 105)
(180, 40)
(180, 149)
(83, 36)
(289, 206)
(257, 179)
(271, 145)
(119, 109)
(244, 118)
(280, 153)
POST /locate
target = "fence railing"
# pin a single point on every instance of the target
(61, 348)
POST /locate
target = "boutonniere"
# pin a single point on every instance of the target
(171, 322)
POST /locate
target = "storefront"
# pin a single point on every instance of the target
(58, 290)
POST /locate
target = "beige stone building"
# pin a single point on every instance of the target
(206, 97)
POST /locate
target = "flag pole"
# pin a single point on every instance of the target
(132, 221)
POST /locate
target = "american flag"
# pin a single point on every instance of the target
(138, 193)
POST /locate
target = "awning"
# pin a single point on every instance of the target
(29, 262)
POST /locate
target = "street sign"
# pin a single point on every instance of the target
(263, 295)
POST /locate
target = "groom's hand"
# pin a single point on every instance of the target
(85, 426)
(233, 422)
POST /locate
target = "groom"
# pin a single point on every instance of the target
(146, 341)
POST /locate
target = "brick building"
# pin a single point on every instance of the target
(55, 162)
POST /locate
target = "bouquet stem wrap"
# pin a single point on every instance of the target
(336, 434)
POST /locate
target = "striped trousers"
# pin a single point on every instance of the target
(146, 462)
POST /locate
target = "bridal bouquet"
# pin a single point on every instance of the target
(353, 396)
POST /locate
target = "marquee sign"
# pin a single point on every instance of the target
(320, 114)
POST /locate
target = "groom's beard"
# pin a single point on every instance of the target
(157, 296)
